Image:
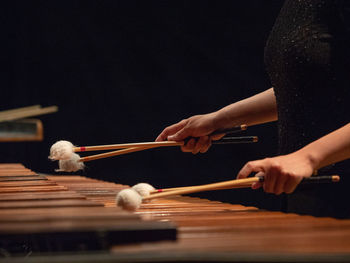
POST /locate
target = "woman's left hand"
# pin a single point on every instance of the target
(282, 174)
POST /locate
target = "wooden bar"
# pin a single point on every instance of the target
(56, 195)
(22, 178)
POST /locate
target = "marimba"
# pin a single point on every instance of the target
(74, 218)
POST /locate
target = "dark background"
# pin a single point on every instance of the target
(121, 71)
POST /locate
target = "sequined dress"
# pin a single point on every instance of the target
(307, 57)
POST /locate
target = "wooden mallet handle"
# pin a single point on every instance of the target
(239, 183)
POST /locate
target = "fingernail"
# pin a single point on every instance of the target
(255, 186)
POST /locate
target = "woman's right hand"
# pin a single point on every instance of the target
(199, 127)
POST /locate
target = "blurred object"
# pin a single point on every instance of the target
(25, 112)
(14, 128)
(21, 130)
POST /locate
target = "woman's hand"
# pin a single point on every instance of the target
(282, 174)
(199, 127)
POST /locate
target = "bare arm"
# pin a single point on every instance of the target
(283, 173)
(332, 148)
(260, 108)
(257, 109)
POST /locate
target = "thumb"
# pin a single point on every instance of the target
(250, 167)
(257, 185)
(217, 136)
(180, 135)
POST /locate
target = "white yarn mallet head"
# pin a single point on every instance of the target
(128, 199)
(143, 189)
(61, 150)
(70, 165)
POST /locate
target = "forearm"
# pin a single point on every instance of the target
(260, 108)
(332, 148)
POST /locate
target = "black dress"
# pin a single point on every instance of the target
(307, 57)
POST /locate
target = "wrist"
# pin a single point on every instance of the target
(215, 120)
(310, 157)
(223, 119)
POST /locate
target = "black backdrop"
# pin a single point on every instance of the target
(121, 71)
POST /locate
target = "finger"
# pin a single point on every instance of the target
(257, 185)
(201, 143)
(206, 147)
(270, 179)
(280, 184)
(168, 131)
(189, 146)
(248, 168)
(291, 184)
(217, 136)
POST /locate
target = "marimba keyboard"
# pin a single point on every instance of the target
(39, 215)
(207, 231)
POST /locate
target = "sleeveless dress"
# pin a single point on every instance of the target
(307, 56)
